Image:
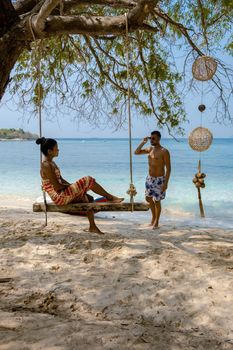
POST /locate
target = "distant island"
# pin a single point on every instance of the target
(16, 134)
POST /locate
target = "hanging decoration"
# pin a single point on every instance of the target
(204, 68)
(201, 108)
(200, 139)
(198, 180)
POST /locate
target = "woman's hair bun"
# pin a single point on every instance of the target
(40, 140)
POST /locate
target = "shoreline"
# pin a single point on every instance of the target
(168, 216)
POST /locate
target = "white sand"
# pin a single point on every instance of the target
(132, 288)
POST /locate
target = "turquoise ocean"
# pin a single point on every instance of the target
(108, 161)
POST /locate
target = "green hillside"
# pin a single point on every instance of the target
(9, 134)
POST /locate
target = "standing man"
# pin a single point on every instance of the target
(159, 173)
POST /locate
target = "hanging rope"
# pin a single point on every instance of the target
(132, 189)
(201, 118)
(61, 8)
(38, 51)
(199, 178)
(202, 212)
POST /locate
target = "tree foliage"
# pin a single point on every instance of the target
(75, 57)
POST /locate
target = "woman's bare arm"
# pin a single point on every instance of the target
(65, 182)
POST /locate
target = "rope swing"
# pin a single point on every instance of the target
(132, 189)
(76, 208)
(38, 54)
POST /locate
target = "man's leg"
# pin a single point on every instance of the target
(93, 228)
(158, 212)
(153, 209)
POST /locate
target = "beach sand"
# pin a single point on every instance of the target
(132, 288)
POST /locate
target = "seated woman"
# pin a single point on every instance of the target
(62, 192)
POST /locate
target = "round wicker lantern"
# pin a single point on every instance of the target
(204, 68)
(200, 139)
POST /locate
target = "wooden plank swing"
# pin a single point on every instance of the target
(76, 208)
(82, 207)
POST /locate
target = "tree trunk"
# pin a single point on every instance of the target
(17, 32)
(10, 49)
(8, 16)
(12, 42)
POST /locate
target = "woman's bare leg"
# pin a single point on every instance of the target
(102, 192)
(93, 228)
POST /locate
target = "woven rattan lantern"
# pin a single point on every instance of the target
(204, 68)
(200, 139)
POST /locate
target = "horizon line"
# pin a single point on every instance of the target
(133, 138)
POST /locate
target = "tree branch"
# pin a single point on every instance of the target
(215, 20)
(181, 28)
(113, 59)
(149, 86)
(110, 3)
(141, 11)
(102, 71)
(89, 25)
(94, 25)
(148, 28)
(203, 23)
(39, 20)
(23, 6)
(8, 16)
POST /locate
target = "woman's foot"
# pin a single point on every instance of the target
(115, 199)
(94, 229)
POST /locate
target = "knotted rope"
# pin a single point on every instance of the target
(132, 189)
(39, 102)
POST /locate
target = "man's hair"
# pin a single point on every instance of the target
(156, 132)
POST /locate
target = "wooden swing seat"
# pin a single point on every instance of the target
(80, 207)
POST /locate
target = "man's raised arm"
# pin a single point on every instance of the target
(139, 149)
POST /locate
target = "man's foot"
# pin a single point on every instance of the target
(94, 229)
(153, 220)
(155, 227)
(115, 199)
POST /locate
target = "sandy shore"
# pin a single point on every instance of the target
(133, 288)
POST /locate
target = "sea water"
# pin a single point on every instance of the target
(107, 160)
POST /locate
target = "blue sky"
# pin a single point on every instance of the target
(65, 127)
